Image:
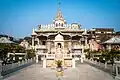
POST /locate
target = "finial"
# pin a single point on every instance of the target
(59, 13)
(59, 5)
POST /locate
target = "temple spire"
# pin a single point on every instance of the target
(59, 15)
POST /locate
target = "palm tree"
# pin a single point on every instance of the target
(59, 63)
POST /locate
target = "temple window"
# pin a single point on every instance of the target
(62, 24)
(43, 42)
(59, 24)
(56, 24)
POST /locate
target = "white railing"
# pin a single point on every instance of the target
(50, 56)
(40, 47)
(67, 56)
(8, 54)
(117, 62)
(76, 53)
(77, 47)
(40, 53)
(15, 65)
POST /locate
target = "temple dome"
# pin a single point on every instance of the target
(59, 37)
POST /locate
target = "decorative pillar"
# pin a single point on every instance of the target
(109, 47)
(36, 58)
(82, 54)
(70, 45)
(38, 41)
(81, 59)
(1, 70)
(105, 64)
(73, 63)
(33, 42)
(86, 41)
(48, 45)
(44, 63)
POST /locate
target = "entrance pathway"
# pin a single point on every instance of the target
(81, 72)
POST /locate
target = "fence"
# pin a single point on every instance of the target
(104, 67)
(9, 68)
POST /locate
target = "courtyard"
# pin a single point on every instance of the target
(82, 71)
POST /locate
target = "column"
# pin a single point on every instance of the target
(85, 41)
(38, 41)
(109, 46)
(81, 59)
(48, 45)
(0, 69)
(73, 63)
(105, 64)
(82, 54)
(70, 45)
(33, 42)
(44, 63)
(36, 58)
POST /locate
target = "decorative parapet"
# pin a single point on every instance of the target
(67, 56)
(77, 53)
(77, 47)
(50, 56)
(40, 47)
(53, 27)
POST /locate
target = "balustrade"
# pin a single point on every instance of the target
(77, 47)
(40, 47)
(50, 56)
(67, 55)
(8, 68)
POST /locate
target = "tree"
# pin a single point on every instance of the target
(30, 53)
(88, 55)
(59, 63)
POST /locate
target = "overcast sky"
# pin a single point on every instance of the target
(18, 17)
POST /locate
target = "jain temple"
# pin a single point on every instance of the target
(59, 41)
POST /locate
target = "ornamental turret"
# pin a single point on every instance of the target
(59, 20)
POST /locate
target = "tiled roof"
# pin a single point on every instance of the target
(113, 40)
(5, 40)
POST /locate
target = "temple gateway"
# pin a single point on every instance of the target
(59, 41)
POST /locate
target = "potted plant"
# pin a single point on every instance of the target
(59, 68)
(59, 63)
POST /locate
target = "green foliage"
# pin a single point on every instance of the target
(6, 48)
(86, 50)
(30, 53)
(59, 63)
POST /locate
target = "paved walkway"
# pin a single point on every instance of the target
(82, 72)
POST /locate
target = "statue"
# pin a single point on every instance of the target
(59, 52)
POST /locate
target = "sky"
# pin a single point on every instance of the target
(19, 17)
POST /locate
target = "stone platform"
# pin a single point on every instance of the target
(81, 72)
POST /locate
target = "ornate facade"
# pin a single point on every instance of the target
(59, 41)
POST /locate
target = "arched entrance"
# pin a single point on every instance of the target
(59, 45)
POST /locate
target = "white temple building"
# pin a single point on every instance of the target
(59, 41)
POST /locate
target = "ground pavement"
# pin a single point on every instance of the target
(81, 72)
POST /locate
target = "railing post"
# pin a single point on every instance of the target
(1, 70)
(116, 70)
(44, 63)
(105, 64)
(36, 58)
(73, 63)
(113, 68)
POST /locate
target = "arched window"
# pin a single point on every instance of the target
(62, 24)
(56, 24)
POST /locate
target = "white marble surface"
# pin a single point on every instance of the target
(81, 72)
